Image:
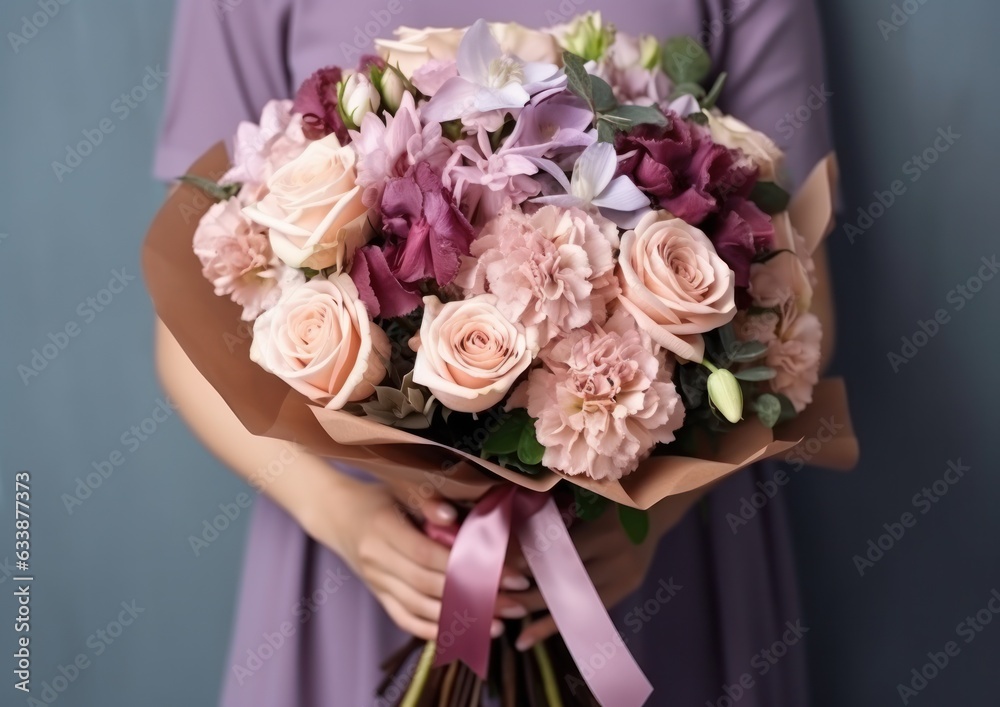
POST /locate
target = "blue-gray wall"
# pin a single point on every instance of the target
(64, 238)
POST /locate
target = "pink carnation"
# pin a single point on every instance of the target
(236, 258)
(260, 149)
(603, 401)
(756, 327)
(388, 150)
(553, 270)
(795, 355)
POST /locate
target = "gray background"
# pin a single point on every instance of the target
(61, 241)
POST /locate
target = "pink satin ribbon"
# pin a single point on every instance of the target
(473, 581)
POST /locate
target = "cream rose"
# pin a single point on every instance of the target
(320, 340)
(674, 283)
(468, 353)
(313, 209)
(736, 135)
(412, 48)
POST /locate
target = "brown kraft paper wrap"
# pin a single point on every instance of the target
(209, 330)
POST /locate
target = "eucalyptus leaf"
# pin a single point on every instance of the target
(639, 115)
(219, 192)
(510, 461)
(768, 409)
(634, 522)
(604, 97)
(747, 351)
(688, 89)
(578, 78)
(685, 60)
(788, 411)
(770, 198)
(605, 131)
(758, 373)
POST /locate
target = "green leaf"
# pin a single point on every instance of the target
(219, 192)
(787, 409)
(604, 97)
(685, 60)
(529, 450)
(638, 115)
(589, 506)
(699, 118)
(710, 100)
(770, 198)
(605, 131)
(688, 89)
(747, 351)
(579, 79)
(634, 522)
(758, 373)
(512, 462)
(768, 409)
(507, 437)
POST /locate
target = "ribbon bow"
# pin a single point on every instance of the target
(473, 581)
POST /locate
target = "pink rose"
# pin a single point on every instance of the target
(795, 355)
(468, 353)
(603, 401)
(313, 209)
(320, 340)
(674, 283)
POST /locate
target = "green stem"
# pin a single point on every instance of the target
(420, 675)
(548, 675)
(708, 364)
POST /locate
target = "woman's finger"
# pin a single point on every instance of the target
(536, 631)
(406, 621)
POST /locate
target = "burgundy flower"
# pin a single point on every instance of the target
(680, 165)
(428, 234)
(378, 288)
(316, 100)
(738, 235)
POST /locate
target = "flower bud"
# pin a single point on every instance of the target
(391, 88)
(589, 37)
(649, 52)
(357, 96)
(725, 393)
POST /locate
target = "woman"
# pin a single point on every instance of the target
(333, 570)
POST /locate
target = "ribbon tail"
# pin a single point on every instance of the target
(472, 581)
(605, 663)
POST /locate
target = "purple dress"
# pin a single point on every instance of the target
(716, 620)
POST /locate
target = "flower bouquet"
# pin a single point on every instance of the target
(509, 263)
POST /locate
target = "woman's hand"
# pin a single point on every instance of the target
(616, 565)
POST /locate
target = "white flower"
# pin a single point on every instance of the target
(594, 183)
(490, 83)
(358, 97)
